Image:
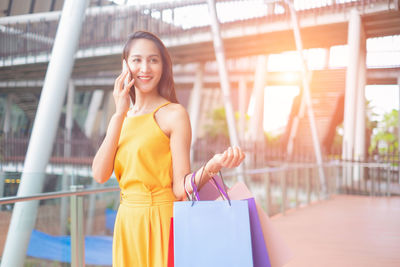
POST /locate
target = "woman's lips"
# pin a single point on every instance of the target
(144, 78)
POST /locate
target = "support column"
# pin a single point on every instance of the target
(398, 128)
(242, 108)
(69, 119)
(7, 116)
(44, 131)
(94, 107)
(91, 209)
(353, 38)
(224, 80)
(256, 131)
(350, 103)
(2, 178)
(107, 112)
(359, 138)
(69, 122)
(194, 104)
(307, 97)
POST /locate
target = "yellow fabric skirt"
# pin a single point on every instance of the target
(141, 231)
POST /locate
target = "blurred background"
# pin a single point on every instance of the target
(316, 113)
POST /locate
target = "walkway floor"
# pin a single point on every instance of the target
(344, 231)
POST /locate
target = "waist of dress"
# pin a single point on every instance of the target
(143, 199)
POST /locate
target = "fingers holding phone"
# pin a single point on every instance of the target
(122, 87)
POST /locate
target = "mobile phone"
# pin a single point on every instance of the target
(128, 79)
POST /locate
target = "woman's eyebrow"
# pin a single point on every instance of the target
(155, 55)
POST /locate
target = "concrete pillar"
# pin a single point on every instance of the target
(223, 75)
(107, 112)
(91, 209)
(242, 108)
(95, 103)
(195, 100)
(359, 139)
(2, 177)
(69, 119)
(7, 116)
(327, 57)
(65, 184)
(44, 131)
(194, 105)
(398, 127)
(359, 134)
(256, 131)
(354, 36)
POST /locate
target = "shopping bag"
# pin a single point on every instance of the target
(212, 233)
(210, 191)
(259, 249)
(278, 251)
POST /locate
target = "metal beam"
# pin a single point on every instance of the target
(8, 11)
(32, 6)
(225, 86)
(307, 97)
(44, 131)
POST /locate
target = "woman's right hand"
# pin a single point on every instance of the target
(121, 91)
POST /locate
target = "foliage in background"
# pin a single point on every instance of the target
(370, 125)
(384, 138)
(218, 128)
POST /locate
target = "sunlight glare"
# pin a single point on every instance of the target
(277, 107)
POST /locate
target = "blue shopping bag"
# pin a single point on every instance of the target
(212, 233)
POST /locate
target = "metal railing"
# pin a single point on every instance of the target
(278, 189)
(32, 35)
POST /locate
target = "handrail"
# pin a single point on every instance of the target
(294, 166)
(58, 194)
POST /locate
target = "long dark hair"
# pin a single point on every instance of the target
(166, 86)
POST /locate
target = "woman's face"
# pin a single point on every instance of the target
(145, 63)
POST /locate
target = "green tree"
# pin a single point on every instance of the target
(384, 138)
(218, 127)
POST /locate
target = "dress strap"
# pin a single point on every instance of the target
(154, 112)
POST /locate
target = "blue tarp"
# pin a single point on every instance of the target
(110, 219)
(98, 249)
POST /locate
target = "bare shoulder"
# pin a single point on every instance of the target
(173, 116)
(176, 111)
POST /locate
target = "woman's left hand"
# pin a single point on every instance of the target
(230, 158)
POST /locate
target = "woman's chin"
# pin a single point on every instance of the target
(146, 89)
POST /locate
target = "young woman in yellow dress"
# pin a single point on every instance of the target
(148, 148)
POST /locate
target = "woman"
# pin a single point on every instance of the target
(148, 148)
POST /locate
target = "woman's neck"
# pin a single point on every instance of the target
(146, 101)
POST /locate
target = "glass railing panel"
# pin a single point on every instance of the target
(52, 233)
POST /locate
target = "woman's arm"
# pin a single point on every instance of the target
(103, 162)
(180, 140)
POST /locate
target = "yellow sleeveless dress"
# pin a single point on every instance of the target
(143, 167)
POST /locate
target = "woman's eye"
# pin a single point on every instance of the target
(136, 60)
(154, 60)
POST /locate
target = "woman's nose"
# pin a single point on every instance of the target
(144, 66)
